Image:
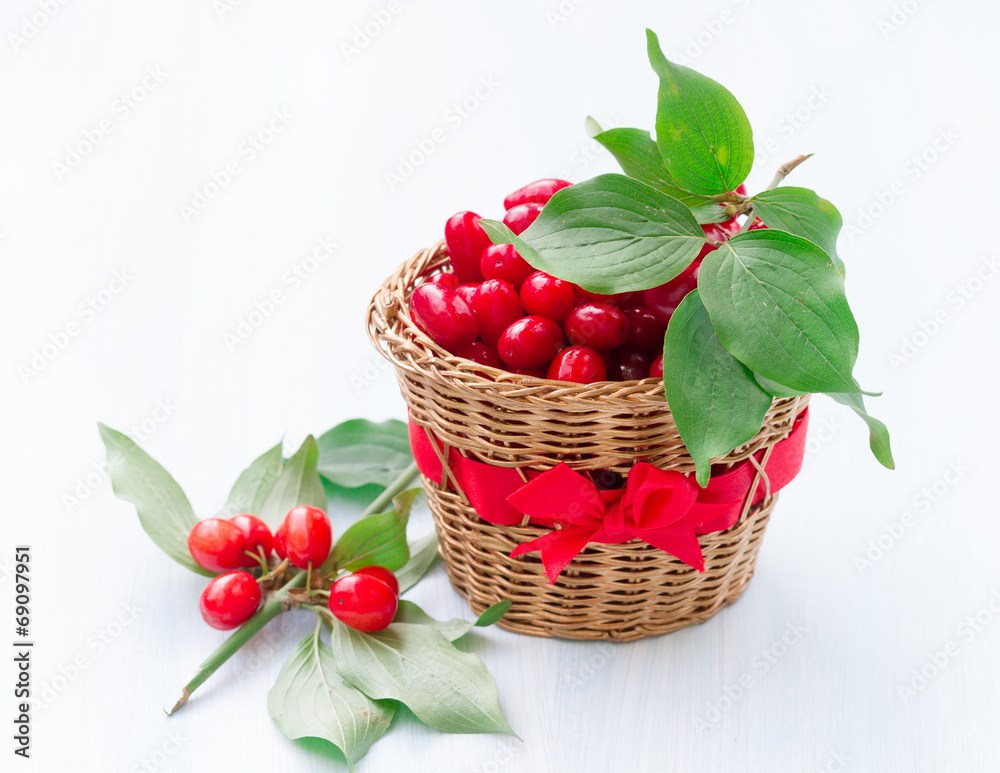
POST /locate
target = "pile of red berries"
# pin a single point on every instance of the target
(495, 309)
(365, 600)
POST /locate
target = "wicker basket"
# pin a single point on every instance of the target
(610, 591)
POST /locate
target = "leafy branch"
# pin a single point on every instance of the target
(326, 691)
(770, 316)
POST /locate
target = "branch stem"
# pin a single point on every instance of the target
(786, 169)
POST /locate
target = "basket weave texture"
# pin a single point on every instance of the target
(610, 591)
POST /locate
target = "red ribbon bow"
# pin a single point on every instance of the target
(660, 507)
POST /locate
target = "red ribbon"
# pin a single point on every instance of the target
(661, 507)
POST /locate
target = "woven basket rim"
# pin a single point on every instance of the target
(414, 355)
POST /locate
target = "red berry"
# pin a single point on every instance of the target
(656, 369)
(482, 353)
(496, 305)
(217, 545)
(547, 296)
(467, 292)
(305, 536)
(258, 537)
(617, 299)
(381, 573)
(363, 602)
(721, 232)
(229, 600)
(629, 365)
(466, 242)
(645, 330)
(501, 261)
(757, 225)
(530, 342)
(519, 217)
(741, 189)
(599, 325)
(444, 316)
(578, 363)
(537, 192)
(664, 300)
(445, 279)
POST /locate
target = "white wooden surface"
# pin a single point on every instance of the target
(872, 87)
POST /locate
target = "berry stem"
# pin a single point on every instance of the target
(786, 169)
(276, 604)
(258, 557)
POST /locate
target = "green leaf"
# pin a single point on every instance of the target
(777, 303)
(310, 699)
(298, 484)
(378, 540)
(702, 132)
(878, 433)
(715, 401)
(640, 159)
(254, 484)
(423, 555)
(408, 612)
(163, 509)
(414, 664)
(493, 614)
(609, 234)
(775, 389)
(359, 452)
(710, 213)
(801, 212)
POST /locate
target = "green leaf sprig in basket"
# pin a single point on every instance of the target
(768, 318)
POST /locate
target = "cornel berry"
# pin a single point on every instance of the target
(229, 600)
(364, 600)
(304, 536)
(599, 325)
(519, 217)
(578, 363)
(444, 316)
(547, 296)
(530, 342)
(218, 545)
(466, 242)
(497, 306)
(501, 261)
(538, 192)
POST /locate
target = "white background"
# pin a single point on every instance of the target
(903, 96)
